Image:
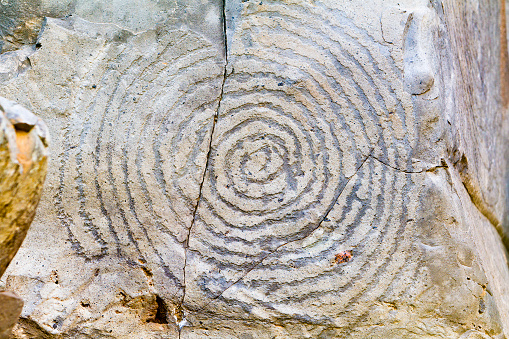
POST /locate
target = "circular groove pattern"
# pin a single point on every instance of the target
(135, 152)
(293, 177)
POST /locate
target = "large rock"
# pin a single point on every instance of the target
(266, 169)
(23, 160)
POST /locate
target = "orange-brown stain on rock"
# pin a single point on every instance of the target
(342, 257)
(26, 145)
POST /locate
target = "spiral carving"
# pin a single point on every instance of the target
(308, 157)
(132, 157)
(236, 192)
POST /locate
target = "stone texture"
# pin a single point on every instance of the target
(10, 309)
(23, 158)
(22, 20)
(211, 166)
(24, 140)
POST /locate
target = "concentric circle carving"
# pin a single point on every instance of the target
(314, 131)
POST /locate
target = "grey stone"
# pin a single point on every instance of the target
(267, 169)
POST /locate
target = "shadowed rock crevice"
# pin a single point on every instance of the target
(476, 196)
(30, 329)
(162, 312)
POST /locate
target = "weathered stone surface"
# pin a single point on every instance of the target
(23, 157)
(211, 170)
(22, 20)
(10, 309)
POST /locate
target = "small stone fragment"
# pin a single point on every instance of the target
(10, 310)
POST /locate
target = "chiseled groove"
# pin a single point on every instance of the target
(375, 253)
(185, 121)
(358, 106)
(266, 104)
(62, 215)
(96, 170)
(344, 125)
(357, 35)
(159, 56)
(128, 228)
(370, 46)
(166, 269)
(376, 274)
(359, 215)
(327, 34)
(228, 93)
(126, 92)
(393, 277)
(293, 63)
(275, 250)
(95, 163)
(158, 172)
(311, 101)
(186, 243)
(347, 55)
(380, 270)
(310, 260)
(224, 252)
(98, 150)
(419, 265)
(359, 249)
(98, 160)
(237, 208)
(403, 116)
(143, 183)
(346, 210)
(144, 187)
(110, 172)
(387, 243)
(387, 262)
(267, 221)
(87, 221)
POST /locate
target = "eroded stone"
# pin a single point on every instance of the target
(23, 161)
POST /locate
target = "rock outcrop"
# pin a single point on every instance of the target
(270, 169)
(23, 162)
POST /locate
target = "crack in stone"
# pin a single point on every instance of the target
(430, 169)
(277, 248)
(186, 242)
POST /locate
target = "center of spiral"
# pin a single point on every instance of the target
(261, 164)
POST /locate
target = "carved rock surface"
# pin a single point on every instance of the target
(269, 169)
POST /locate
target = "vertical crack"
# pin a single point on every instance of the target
(179, 311)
